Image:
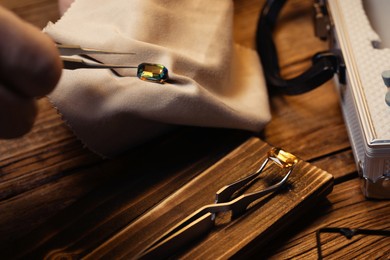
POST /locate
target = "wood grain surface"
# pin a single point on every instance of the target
(58, 199)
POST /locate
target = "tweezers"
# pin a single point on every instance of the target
(72, 63)
(145, 71)
(202, 220)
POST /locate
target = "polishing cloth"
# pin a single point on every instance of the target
(213, 82)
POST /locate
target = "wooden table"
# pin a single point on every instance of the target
(57, 196)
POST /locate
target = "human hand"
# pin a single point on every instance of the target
(30, 67)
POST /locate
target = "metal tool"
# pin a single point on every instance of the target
(145, 71)
(203, 219)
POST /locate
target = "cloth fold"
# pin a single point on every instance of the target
(213, 82)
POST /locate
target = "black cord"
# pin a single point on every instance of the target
(348, 233)
(325, 64)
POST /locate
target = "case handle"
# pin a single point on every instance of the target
(324, 64)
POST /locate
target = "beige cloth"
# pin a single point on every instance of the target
(213, 82)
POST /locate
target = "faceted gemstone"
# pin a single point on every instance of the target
(282, 158)
(152, 72)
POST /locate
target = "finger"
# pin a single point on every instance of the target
(17, 114)
(29, 61)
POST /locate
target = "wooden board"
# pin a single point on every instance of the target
(264, 220)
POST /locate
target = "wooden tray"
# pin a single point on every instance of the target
(121, 217)
(264, 220)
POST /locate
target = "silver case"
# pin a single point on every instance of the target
(362, 98)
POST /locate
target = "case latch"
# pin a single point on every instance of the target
(321, 20)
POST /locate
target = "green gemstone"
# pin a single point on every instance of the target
(152, 72)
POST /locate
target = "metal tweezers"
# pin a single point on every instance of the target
(145, 71)
(202, 220)
(73, 63)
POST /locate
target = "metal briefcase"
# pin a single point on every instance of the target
(354, 27)
(359, 55)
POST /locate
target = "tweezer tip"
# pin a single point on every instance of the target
(65, 49)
